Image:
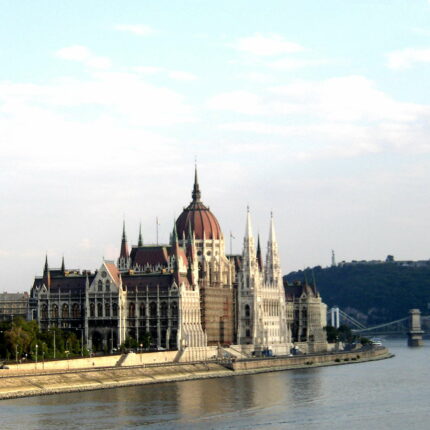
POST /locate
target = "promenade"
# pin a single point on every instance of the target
(32, 382)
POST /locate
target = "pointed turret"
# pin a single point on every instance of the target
(46, 273)
(140, 240)
(46, 268)
(273, 268)
(196, 194)
(124, 255)
(63, 266)
(249, 261)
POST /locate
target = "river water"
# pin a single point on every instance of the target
(387, 394)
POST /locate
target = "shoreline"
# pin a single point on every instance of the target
(49, 383)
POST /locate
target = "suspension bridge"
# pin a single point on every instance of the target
(402, 326)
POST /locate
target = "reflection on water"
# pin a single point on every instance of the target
(390, 394)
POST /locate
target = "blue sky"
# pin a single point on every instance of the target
(316, 110)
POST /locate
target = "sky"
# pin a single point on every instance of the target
(317, 111)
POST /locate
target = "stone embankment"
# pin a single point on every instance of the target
(30, 382)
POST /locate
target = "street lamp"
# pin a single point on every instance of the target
(141, 345)
(37, 346)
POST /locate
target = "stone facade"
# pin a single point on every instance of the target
(183, 295)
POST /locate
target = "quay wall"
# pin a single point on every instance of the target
(131, 359)
(308, 360)
(24, 384)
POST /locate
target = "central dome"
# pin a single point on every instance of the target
(198, 218)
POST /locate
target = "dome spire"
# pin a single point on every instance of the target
(196, 194)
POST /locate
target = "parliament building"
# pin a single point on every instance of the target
(185, 295)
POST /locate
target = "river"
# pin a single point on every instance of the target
(387, 394)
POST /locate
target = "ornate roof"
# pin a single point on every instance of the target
(198, 216)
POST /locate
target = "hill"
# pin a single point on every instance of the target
(374, 293)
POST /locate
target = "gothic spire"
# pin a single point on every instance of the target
(140, 240)
(272, 235)
(196, 194)
(259, 257)
(273, 268)
(123, 260)
(46, 274)
(248, 230)
(124, 237)
(63, 267)
(46, 268)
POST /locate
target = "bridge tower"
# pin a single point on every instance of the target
(335, 317)
(415, 333)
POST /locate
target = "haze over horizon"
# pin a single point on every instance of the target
(318, 111)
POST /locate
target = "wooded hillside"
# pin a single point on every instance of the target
(373, 292)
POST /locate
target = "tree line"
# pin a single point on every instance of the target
(22, 340)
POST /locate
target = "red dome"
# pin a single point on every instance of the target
(199, 218)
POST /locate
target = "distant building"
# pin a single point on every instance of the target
(389, 260)
(13, 305)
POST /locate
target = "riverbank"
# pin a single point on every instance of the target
(16, 385)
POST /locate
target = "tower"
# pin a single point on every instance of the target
(262, 311)
(333, 259)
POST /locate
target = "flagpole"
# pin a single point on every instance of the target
(156, 227)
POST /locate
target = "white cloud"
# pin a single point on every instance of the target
(74, 53)
(407, 58)
(339, 117)
(269, 45)
(112, 111)
(84, 55)
(140, 30)
(350, 98)
(182, 76)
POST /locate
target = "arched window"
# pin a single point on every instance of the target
(247, 311)
(65, 311)
(107, 309)
(142, 309)
(131, 310)
(153, 309)
(174, 310)
(92, 310)
(114, 310)
(248, 332)
(100, 285)
(107, 284)
(54, 311)
(45, 312)
(99, 309)
(75, 311)
(163, 309)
